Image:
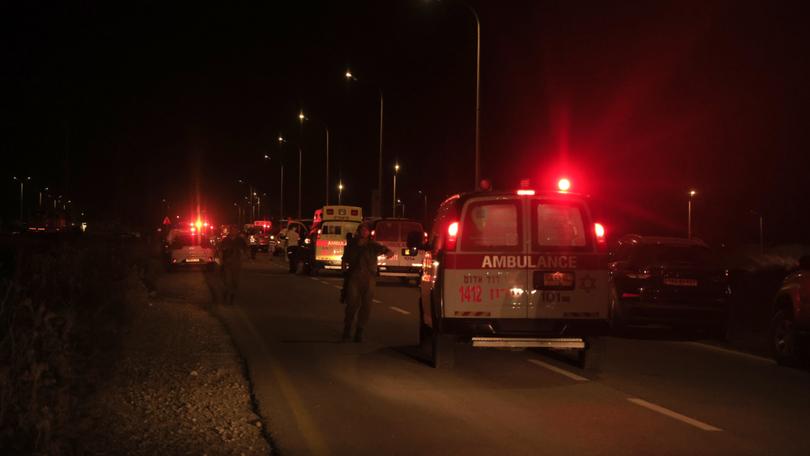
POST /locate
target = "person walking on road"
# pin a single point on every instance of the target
(360, 266)
(231, 250)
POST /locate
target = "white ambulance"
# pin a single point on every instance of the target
(514, 269)
(337, 221)
(406, 263)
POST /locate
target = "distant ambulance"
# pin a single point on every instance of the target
(406, 263)
(514, 269)
(336, 223)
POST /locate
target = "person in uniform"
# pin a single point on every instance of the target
(360, 266)
(231, 250)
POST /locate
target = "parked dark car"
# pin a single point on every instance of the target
(668, 281)
(790, 324)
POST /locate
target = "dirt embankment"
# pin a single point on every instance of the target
(178, 388)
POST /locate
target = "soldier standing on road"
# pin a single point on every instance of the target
(231, 250)
(360, 255)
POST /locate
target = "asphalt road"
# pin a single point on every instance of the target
(652, 395)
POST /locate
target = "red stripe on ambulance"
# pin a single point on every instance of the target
(536, 261)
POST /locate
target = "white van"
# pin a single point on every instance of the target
(393, 233)
(514, 269)
(192, 247)
(337, 221)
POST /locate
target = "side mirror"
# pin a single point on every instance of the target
(804, 262)
(414, 241)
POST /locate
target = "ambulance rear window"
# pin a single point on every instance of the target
(491, 226)
(386, 231)
(559, 225)
(332, 229)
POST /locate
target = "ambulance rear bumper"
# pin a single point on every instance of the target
(529, 342)
(523, 327)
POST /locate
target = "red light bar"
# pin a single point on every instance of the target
(564, 184)
(525, 192)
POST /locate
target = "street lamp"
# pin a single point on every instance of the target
(424, 197)
(350, 76)
(340, 192)
(692, 193)
(302, 118)
(22, 181)
(394, 203)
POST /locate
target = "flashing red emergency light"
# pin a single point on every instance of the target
(525, 192)
(564, 184)
(199, 224)
(601, 239)
(452, 236)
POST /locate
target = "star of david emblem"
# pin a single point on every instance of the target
(587, 283)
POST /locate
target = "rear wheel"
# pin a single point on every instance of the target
(784, 339)
(618, 325)
(590, 358)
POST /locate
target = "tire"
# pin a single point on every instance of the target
(618, 325)
(590, 358)
(443, 353)
(784, 339)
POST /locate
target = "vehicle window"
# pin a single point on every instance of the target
(491, 226)
(406, 228)
(386, 231)
(185, 240)
(559, 225)
(650, 254)
(332, 229)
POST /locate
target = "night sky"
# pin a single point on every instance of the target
(119, 106)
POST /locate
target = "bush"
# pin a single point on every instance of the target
(61, 304)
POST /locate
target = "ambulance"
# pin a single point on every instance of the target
(406, 263)
(330, 239)
(514, 270)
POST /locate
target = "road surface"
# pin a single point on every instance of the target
(653, 395)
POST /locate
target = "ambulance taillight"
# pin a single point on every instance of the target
(452, 236)
(601, 238)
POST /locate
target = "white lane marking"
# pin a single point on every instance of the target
(377, 301)
(313, 278)
(731, 352)
(675, 415)
(324, 282)
(397, 309)
(556, 369)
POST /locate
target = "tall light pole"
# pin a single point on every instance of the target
(45, 189)
(477, 95)
(340, 192)
(394, 199)
(281, 142)
(692, 193)
(22, 181)
(350, 76)
(326, 130)
(424, 197)
(301, 118)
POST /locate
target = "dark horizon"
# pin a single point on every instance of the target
(119, 109)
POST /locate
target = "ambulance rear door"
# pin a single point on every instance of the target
(485, 266)
(567, 275)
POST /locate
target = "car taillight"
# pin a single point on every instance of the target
(601, 236)
(373, 232)
(452, 236)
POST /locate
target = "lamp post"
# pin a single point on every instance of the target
(394, 199)
(350, 76)
(302, 118)
(424, 197)
(692, 193)
(45, 189)
(22, 181)
(340, 192)
(281, 142)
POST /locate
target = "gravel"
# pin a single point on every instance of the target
(178, 388)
